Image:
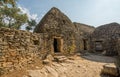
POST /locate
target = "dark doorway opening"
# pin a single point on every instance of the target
(85, 44)
(56, 45)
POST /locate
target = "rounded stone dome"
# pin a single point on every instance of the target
(107, 31)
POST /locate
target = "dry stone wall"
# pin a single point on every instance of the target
(19, 48)
(108, 35)
(83, 35)
(118, 58)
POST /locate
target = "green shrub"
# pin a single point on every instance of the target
(71, 48)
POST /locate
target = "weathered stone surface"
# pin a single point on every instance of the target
(118, 46)
(58, 25)
(85, 29)
(60, 58)
(83, 35)
(50, 57)
(105, 37)
(19, 48)
(107, 31)
(42, 73)
(118, 63)
(46, 61)
(110, 69)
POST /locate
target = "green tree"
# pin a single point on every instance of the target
(8, 2)
(10, 15)
(31, 24)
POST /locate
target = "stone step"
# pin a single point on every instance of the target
(58, 54)
(60, 58)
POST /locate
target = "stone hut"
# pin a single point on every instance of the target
(64, 36)
(60, 31)
(85, 32)
(105, 38)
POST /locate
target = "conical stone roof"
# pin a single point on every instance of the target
(57, 25)
(54, 22)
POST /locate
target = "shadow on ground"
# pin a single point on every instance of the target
(106, 75)
(102, 59)
(99, 58)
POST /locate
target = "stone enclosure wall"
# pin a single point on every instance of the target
(19, 48)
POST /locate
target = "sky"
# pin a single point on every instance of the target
(90, 12)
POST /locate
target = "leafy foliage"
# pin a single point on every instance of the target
(8, 2)
(10, 15)
(71, 48)
(31, 23)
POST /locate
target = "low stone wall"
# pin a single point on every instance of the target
(19, 48)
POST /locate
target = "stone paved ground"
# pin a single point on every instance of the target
(75, 66)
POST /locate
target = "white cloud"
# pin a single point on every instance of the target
(30, 16)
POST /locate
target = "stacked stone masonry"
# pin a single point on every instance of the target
(106, 36)
(19, 48)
